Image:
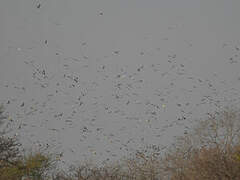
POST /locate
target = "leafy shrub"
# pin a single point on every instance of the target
(32, 166)
(210, 151)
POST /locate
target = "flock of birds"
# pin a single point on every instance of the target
(105, 109)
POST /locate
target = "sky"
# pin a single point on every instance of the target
(103, 78)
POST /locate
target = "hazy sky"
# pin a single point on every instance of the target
(101, 78)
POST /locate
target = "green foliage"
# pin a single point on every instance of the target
(36, 166)
(32, 166)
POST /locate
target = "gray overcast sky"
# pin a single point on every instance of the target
(104, 77)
